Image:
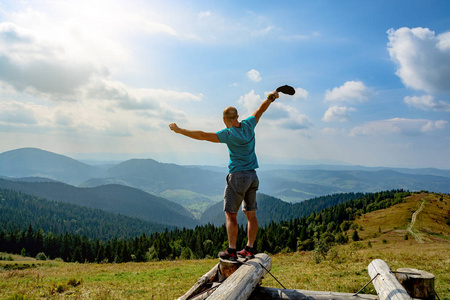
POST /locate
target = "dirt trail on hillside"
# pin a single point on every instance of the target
(413, 220)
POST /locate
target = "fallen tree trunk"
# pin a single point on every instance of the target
(263, 293)
(241, 283)
(385, 282)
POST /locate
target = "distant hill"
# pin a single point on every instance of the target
(113, 198)
(33, 162)
(295, 185)
(197, 187)
(271, 209)
(155, 177)
(18, 211)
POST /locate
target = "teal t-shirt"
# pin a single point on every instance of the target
(241, 145)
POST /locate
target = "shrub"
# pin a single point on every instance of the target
(41, 256)
(73, 282)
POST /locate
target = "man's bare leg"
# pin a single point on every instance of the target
(252, 227)
(232, 229)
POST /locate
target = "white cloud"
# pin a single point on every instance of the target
(204, 14)
(300, 37)
(338, 114)
(432, 126)
(40, 66)
(17, 113)
(300, 93)
(136, 98)
(254, 75)
(398, 126)
(225, 29)
(427, 102)
(423, 59)
(350, 91)
(332, 131)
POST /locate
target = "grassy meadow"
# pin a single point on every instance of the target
(384, 235)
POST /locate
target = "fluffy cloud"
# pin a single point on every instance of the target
(28, 63)
(300, 93)
(214, 27)
(40, 62)
(17, 113)
(398, 126)
(130, 98)
(338, 114)
(422, 58)
(427, 102)
(350, 91)
(254, 75)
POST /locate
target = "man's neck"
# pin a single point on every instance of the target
(236, 124)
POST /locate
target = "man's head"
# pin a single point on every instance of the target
(230, 116)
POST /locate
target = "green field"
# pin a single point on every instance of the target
(384, 236)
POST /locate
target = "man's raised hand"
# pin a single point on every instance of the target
(175, 127)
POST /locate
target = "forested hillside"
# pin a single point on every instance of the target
(113, 198)
(326, 227)
(271, 209)
(18, 211)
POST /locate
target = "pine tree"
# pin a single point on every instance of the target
(355, 236)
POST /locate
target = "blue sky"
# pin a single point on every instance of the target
(103, 79)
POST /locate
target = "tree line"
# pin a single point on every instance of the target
(327, 226)
(19, 210)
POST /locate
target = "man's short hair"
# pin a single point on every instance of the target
(230, 113)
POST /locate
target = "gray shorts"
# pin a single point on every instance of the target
(241, 186)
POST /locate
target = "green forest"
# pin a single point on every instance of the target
(27, 236)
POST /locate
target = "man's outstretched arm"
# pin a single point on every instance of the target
(196, 134)
(264, 106)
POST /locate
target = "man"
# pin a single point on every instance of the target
(242, 181)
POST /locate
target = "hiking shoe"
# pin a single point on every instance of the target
(247, 252)
(228, 254)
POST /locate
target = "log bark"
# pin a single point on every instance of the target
(202, 283)
(386, 284)
(241, 283)
(264, 293)
(418, 283)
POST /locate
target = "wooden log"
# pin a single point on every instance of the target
(264, 293)
(202, 283)
(418, 283)
(241, 283)
(226, 268)
(385, 282)
(205, 294)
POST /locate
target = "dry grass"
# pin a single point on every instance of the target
(345, 269)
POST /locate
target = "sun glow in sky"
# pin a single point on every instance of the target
(103, 79)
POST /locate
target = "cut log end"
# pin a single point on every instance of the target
(227, 268)
(418, 283)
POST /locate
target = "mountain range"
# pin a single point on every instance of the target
(189, 195)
